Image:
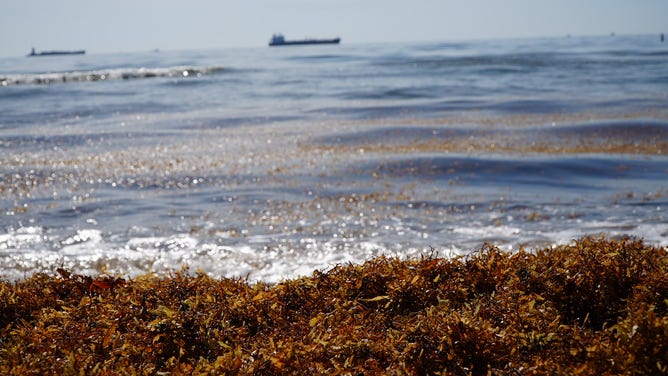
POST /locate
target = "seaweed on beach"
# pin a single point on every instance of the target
(596, 306)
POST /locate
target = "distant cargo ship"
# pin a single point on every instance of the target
(279, 40)
(51, 53)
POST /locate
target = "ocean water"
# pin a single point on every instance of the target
(270, 163)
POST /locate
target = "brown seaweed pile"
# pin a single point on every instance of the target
(597, 306)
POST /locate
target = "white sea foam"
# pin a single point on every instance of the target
(21, 238)
(107, 75)
(88, 251)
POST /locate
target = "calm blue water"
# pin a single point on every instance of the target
(273, 162)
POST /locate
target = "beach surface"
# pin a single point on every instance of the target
(593, 307)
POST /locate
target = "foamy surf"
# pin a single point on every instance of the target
(107, 75)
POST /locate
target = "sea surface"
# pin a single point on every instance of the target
(269, 163)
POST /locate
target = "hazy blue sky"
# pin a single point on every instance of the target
(131, 25)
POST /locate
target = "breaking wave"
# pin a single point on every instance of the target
(109, 74)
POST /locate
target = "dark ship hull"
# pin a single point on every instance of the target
(55, 53)
(278, 40)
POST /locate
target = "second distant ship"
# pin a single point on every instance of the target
(279, 40)
(53, 53)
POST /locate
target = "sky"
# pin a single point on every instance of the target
(102, 26)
